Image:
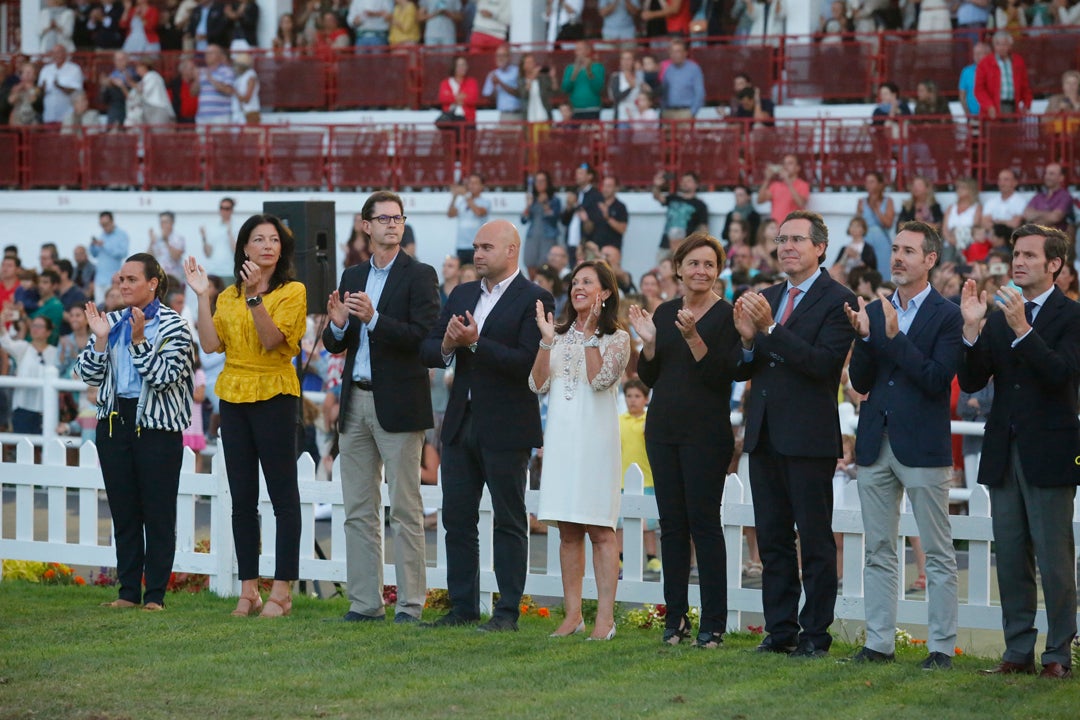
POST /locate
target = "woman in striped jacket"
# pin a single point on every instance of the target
(141, 359)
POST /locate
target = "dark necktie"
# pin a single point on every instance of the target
(1029, 311)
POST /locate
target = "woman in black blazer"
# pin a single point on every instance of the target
(690, 350)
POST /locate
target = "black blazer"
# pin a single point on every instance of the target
(691, 400)
(408, 307)
(218, 25)
(1035, 394)
(910, 378)
(505, 412)
(795, 373)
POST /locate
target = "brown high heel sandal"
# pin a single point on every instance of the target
(285, 605)
(253, 607)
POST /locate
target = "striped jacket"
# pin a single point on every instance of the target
(165, 367)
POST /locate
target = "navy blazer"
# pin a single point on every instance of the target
(1035, 394)
(795, 373)
(505, 412)
(408, 307)
(909, 378)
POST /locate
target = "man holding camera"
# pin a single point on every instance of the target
(785, 188)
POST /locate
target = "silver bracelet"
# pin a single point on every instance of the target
(545, 346)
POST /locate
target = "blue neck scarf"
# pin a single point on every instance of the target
(120, 333)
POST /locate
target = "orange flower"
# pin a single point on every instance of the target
(958, 651)
(64, 569)
(543, 612)
(49, 574)
(79, 580)
(917, 641)
(524, 609)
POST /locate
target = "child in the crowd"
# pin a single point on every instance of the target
(632, 434)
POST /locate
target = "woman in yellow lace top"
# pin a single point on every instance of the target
(258, 324)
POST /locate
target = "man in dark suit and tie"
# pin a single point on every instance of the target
(492, 422)
(905, 359)
(793, 432)
(379, 315)
(1031, 448)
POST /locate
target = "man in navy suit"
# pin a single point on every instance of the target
(379, 315)
(1031, 449)
(492, 422)
(905, 359)
(793, 432)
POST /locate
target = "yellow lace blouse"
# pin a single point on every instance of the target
(252, 373)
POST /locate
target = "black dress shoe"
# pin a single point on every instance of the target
(403, 618)
(937, 661)
(499, 623)
(354, 617)
(772, 645)
(450, 619)
(808, 650)
(866, 655)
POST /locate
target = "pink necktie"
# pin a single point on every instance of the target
(792, 294)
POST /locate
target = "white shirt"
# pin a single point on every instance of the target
(31, 364)
(468, 221)
(57, 102)
(999, 209)
(219, 261)
(562, 13)
(487, 302)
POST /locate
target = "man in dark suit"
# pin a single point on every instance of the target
(209, 25)
(793, 432)
(379, 315)
(492, 422)
(1031, 448)
(905, 359)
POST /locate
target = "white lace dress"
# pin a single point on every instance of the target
(582, 454)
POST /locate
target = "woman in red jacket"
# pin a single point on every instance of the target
(140, 22)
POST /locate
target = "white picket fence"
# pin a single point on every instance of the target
(71, 535)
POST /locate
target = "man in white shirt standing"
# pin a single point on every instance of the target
(219, 243)
(61, 78)
(471, 209)
(1007, 208)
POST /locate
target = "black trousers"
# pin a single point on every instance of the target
(792, 492)
(467, 467)
(689, 484)
(141, 470)
(263, 433)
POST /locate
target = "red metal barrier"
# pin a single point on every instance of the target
(234, 157)
(435, 64)
(173, 159)
(360, 158)
(712, 151)
(425, 157)
(292, 83)
(634, 154)
(721, 63)
(1048, 55)
(852, 151)
(561, 148)
(942, 152)
(832, 71)
(112, 159)
(1022, 144)
(371, 80)
(908, 60)
(295, 158)
(52, 159)
(10, 162)
(497, 152)
(769, 145)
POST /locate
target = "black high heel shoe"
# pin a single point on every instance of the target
(674, 636)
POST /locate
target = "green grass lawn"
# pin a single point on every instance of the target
(62, 656)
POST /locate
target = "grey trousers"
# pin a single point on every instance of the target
(881, 490)
(1034, 524)
(365, 449)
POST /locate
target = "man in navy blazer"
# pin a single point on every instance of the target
(492, 422)
(381, 312)
(905, 360)
(793, 432)
(1031, 449)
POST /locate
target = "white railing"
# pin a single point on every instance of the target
(73, 537)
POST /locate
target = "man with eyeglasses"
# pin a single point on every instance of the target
(219, 243)
(793, 433)
(379, 315)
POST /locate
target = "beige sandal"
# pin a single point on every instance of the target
(284, 605)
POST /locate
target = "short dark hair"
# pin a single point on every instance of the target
(51, 275)
(168, 214)
(65, 267)
(106, 213)
(892, 86)
(744, 76)
(931, 242)
(378, 197)
(693, 242)
(819, 231)
(636, 384)
(1056, 245)
(747, 93)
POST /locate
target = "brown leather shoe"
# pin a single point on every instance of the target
(1056, 671)
(1010, 668)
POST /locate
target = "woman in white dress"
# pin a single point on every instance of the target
(961, 217)
(579, 365)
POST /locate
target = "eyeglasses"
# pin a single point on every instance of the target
(785, 239)
(226, 208)
(387, 219)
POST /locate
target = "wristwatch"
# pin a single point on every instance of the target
(593, 342)
(253, 301)
(473, 346)
(771, 328)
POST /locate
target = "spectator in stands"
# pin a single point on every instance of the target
(608, 228)
(769, 17)
(157, 108)
(972, 16)
(504, 83)
(244, 16)
(168, 247)
(865, 14)
(104, 25)
(624, 85)
(357, 248)
(49, 305)
(287, 41)
(67, 291)
(1011, 16)
(685, 210)
(564, 20)
(215, 89)
(110, 248)
(471, 208)
(618, 19)
(785, 188)
(81, 37)
(9, 283)
(1052, 206)
(458, 95)
(644, 118)
(857, 252)
(928, 100)
(934, 17)
(332, 37)
(837, 25)
(960, 218)
(57, 23)
(580, 206)
(404, 24)
(1006, 209)
(25, 98)
(81, 115)
(451, 277)
(1068, 282)
(1001, 80)
(72, 343)
(968, 100)
(751, 106)
(890, 107)
(490, 25)
(623, 279)
(542, 210)
(115, 88)
(653, 18)
(84, 270)
(60, 79)
(140, 22)
(921, 205)
(48, 256)
(583, 82)
(246, 107)
(558, 259)
(440, 18)
(219, 244)
(371, 21)
(185, 101)
(31, 358)
(536, 88)
(209, 25)
(1064, 108)
(744, 210)
(178, 14)
(682, 85)
(877, 210)
(1066, 15)
(548, 279)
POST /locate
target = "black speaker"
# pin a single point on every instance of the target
(315, 259)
